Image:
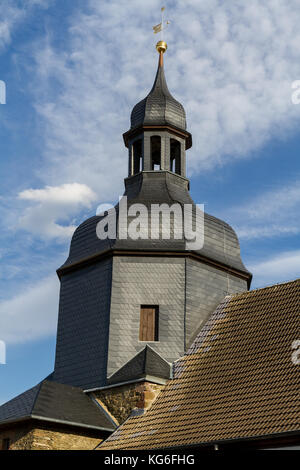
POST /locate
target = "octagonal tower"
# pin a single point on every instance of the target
(129, 308)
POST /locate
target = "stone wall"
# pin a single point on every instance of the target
(20, 437)
(46, 439)
(50, 437)
(120, 401)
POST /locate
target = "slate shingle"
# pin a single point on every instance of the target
(159, 107)
(146, 363)
(158, 187)
(56, 402)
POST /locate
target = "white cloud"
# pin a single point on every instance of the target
(279, 268)
(231, 64)
(271, 214)
(276, 202)
(12, 13)
(65, 194)
(10, 16)
(268, 231)
(51, 205)
(31, 314)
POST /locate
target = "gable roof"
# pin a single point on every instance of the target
(51, 401)
(237, 381)
(145, 363)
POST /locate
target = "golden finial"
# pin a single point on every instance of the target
(161, 46)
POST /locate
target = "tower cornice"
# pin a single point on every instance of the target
(131, 133)
(246, 275)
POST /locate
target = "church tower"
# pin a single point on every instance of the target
(130, 307)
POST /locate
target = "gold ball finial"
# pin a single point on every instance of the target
(161, 46)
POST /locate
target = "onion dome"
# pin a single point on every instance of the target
(159, 107)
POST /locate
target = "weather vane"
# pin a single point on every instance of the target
(161, 46)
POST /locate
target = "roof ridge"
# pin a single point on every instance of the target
(266, 287)
(128, 361)
(157, 354)
(39, 385)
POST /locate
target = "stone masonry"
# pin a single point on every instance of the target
(31, 436)
(120, 401)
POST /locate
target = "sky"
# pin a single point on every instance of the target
(73, 70)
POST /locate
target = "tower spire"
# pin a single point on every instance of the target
(157, 138)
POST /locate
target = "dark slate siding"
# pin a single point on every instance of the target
(146, 362)
(85, 242)
(70, 404)
(54, 401)
(138, 113)
(152, 281)
(206, 287)
(185, 290)
(159, 107)
(156, 187)
(83, 326)
(19, 407)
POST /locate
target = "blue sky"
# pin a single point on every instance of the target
(73, 71)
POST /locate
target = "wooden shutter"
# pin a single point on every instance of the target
(148, 323)
(5, 444)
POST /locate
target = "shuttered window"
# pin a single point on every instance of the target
(149, 323)
(5, 444)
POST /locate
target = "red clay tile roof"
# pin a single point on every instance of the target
(237, 380)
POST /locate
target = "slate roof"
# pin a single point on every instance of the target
(146, 363)
(159, 107)
(51, 401)
(237, 381)
(157, 187)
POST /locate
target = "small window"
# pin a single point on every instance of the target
(155, 152)
(137, 155)
(175, 157)
(149, 323)
(5, 444)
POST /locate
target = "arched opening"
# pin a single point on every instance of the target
(155, 152)
(175, 157)
(137, 156)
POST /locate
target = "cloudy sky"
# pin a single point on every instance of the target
(73, 71)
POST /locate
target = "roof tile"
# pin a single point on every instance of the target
(244, 385)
